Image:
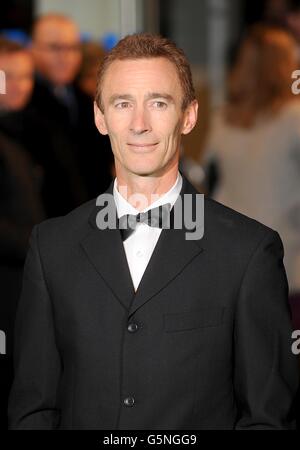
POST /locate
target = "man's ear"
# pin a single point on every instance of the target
(190, 117)
(99, 120)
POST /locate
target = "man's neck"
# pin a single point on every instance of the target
(142, 191)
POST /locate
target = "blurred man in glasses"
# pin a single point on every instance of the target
(57, 56)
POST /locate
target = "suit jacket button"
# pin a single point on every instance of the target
(129, 401)
(132, 327)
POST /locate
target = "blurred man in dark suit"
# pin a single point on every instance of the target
(57, 55)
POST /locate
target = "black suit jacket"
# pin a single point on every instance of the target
(211, 348)
(20, 209)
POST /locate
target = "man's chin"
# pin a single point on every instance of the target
(145, 171)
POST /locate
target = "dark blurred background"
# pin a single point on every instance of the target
(52, 158)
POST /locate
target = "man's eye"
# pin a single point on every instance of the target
(160, 105)
(122, 105)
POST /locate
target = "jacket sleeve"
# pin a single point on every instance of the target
(37, 365)
(266, 373)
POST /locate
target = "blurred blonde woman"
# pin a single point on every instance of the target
(255, 142)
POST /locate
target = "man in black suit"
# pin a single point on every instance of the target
(150, 326)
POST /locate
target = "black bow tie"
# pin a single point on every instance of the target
(158, 217)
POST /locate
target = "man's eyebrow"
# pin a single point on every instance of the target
(150, 96)
(163, 95)
(115, 97)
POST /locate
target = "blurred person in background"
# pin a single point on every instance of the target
(17, 64)
(68, 110)
(20, 203)
(254, 143)
(92, 56)
(22, 123)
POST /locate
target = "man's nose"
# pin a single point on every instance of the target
(140, 122)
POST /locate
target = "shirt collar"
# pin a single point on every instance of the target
(124, 207)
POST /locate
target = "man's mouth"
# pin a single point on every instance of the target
(142, 147)
(139, 144)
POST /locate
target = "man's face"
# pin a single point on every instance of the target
(56, 51)
(18, 69)
(143, 116)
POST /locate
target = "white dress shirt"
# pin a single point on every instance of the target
(140, 245)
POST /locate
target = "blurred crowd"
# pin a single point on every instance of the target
(52, 157)
(252, 154)
(251, 159)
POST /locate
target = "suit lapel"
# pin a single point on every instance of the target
(105, 250)
(170, 256)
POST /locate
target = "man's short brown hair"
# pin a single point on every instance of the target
(144, 45)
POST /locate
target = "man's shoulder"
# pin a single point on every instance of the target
(222, 226)
(222, 223)
(221, 213)
(233, 228)
(69, 227)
